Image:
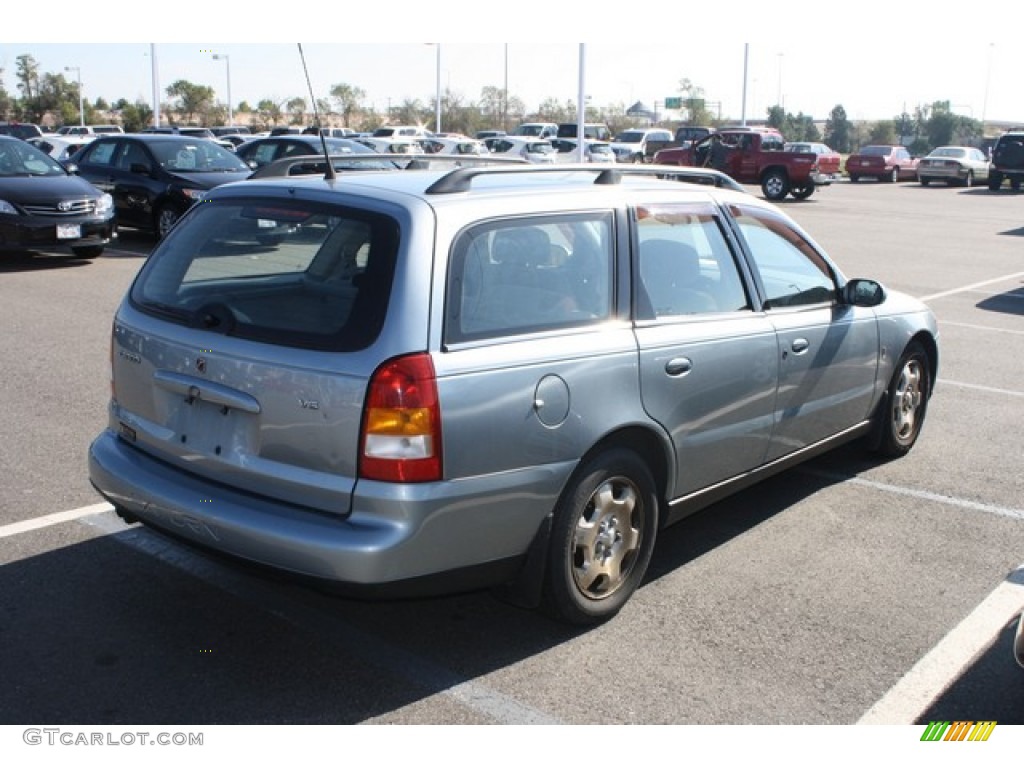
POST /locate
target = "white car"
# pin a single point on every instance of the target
(438, 145)
(527, 148)
(390, 131)
(60, 148)
(392, 145)
(631, 146)
(593, 151)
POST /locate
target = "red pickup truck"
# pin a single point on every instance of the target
(754, 156)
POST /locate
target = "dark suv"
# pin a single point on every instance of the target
(1007, 161)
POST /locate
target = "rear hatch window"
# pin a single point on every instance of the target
(294, 274)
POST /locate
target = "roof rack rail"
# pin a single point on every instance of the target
(461, 179)
(302, 165)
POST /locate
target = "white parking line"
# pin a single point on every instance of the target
(915, 493)
(24, 526)
(975, 327)
(971, 287)
(924, 683)
(980, 388)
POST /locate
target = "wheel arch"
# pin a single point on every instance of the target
(651, 446)
(780, 167)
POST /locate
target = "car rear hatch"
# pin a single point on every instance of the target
(241, 353)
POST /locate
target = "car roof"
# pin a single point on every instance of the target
(445, 188)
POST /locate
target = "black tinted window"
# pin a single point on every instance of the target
(299, 275)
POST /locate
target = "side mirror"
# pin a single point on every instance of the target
(71, 168)
(861, 292)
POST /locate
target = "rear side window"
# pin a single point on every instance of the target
(528, 275)
(286, 273)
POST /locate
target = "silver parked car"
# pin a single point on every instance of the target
(429, 380)
(953, 165)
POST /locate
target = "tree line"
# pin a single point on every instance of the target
(52, 97)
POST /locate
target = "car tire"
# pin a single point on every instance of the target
(906, 402)
(87, 251)
(969, 179)
(602, 536)
(166, 217)
(775, 185)
(854, 178)
(803, 191)
(995, 181)
(894, 175)
(924, 181)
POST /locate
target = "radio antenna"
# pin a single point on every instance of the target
(316, 119)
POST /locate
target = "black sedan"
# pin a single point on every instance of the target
(154, 178)
(260, 152)
(42, 205)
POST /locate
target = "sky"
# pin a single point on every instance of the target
(627, 54)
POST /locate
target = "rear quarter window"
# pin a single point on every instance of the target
(529, 275)
(286, 273)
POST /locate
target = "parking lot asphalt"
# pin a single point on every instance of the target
(844, 591)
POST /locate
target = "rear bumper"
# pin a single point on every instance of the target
(395, 533)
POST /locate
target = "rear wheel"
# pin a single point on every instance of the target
(894, 175)
(995, 181)
(924, 181)
(906, 402)
(854, 178)
(969, 179)
(602, 537)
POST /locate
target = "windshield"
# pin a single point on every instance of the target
(19, 158)
(196, 157)
(630, 137)
(948, 152)
(879, 151)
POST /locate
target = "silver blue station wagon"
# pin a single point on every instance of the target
(412, 381)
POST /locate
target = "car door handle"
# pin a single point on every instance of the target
(678, 366)
(799, 346)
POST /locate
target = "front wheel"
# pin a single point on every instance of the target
(906, 402)
(166, 218)
(969, 179)
(854, 178)
(602, 537)
(894, 175)
(775, 185)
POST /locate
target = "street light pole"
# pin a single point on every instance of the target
(81, 110)
(227, 61)
(437, 116)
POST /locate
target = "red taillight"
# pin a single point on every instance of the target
(401, 440)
